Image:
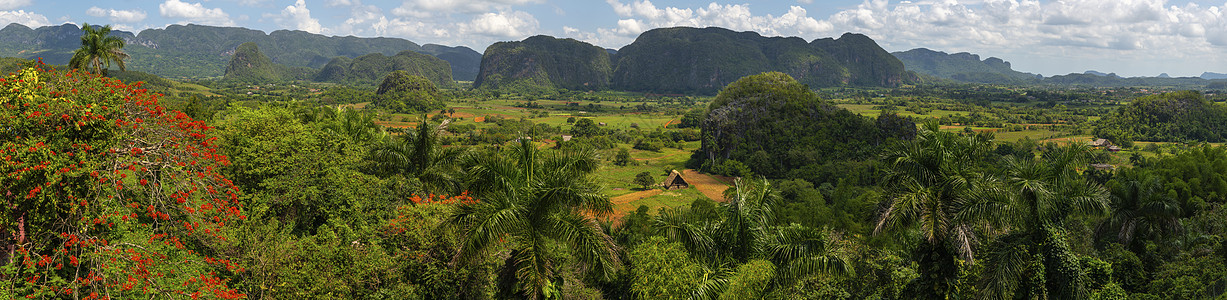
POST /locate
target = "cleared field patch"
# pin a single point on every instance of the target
(711, 186)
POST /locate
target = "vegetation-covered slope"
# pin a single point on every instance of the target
(544, 62)
(371, 68)
(1172, 117)
(704, 60)
(962, 66)
(250, 65)
(774, 124)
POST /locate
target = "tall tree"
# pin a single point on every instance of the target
(746, 232)
(1033, 259)
(531, 201)
(416, 154)
(932, 184)
(1141, 208)
(98, 50)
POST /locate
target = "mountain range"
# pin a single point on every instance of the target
(185, 51)
(663, 60)
(689, 60)
(968, 67)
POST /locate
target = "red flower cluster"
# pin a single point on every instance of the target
(125, 160)
(463, 198)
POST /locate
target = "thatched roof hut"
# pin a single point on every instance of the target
(675, 181)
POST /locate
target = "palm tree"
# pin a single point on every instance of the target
(747, 218)
(932, 185)
(417, 155)
(98, 50)
(531, 201)
(1033, 259)
(1140, 208)
(746, 231)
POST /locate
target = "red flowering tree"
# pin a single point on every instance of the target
(106, 194)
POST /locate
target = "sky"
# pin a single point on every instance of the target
(1128, 37)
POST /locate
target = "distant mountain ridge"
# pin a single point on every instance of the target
(203, 51)
(704, 60)
(545, 62)
(1212, 75)
(962, 66)
(689, 60)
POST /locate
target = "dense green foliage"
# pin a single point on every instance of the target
(252, 66)
(402, 92)
(543, 62)
(775, 125)
(370, 69)
(484, 199)
(1172, 117)
(704, 60)
(962, 67)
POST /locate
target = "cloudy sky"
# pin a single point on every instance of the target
(1050, 37)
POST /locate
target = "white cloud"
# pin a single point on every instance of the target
(298, 17)
(194, 12)
(338, 3)
(513, 24)
(421, 8)
(29, 19)
(118, 16)
(13, 4)
(640, 16)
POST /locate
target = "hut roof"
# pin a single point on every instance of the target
(674, 179)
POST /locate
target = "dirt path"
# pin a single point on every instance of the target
(670, 122)
(710, 186)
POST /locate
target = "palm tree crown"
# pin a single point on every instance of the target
(531, 201)
(98, 50)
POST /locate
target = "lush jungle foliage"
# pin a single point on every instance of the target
(295, 192)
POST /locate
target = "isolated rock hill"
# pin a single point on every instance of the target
(248, 64)
(372, 68)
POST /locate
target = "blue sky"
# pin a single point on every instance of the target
(1129, 37)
